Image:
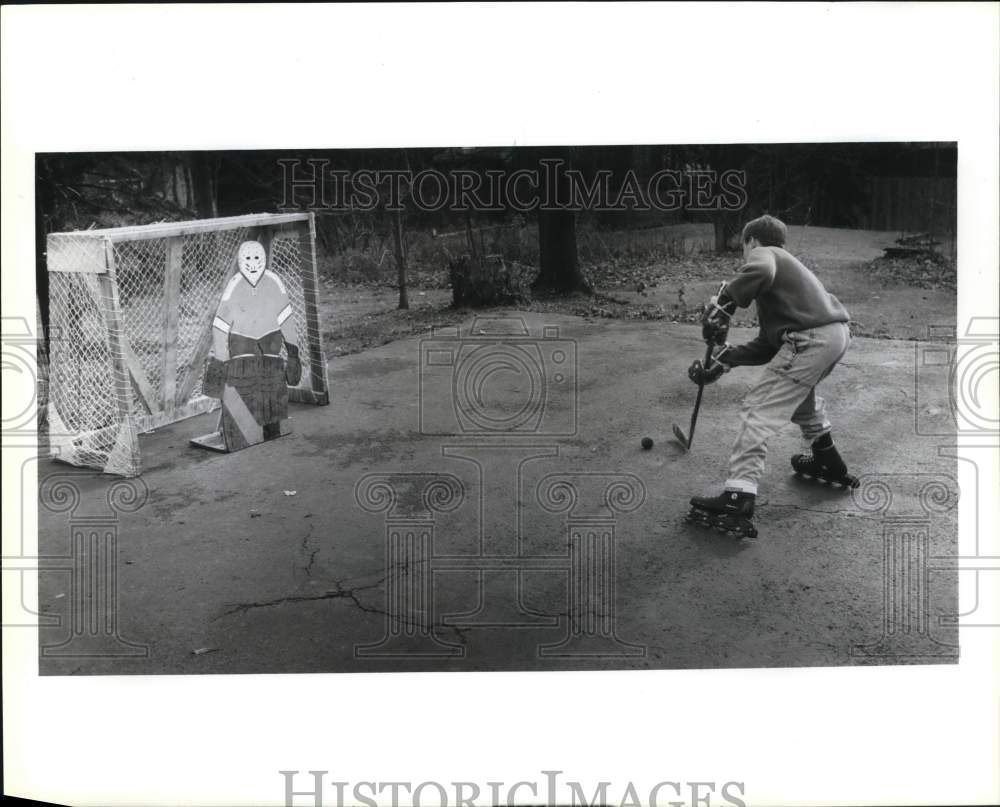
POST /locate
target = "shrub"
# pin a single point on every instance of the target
(477, 282)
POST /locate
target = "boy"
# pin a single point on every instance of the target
(803, 334)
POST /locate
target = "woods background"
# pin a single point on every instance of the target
(904, 187)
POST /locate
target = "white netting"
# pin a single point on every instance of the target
(285, 258)
(81, 374)
(141, 269)
(162, 346)
(209, 260)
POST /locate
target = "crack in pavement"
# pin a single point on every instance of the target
(849, 513)
(459, 632)
(312, 555)
(338, 592)
(342, 592)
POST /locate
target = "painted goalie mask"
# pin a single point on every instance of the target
(252, 261)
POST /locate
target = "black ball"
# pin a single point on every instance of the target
(647, 443)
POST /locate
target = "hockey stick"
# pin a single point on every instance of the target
(685, 442)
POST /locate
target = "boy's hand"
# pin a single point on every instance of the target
(714, 323)
(699, 375)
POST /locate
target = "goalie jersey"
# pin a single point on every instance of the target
(253, 311)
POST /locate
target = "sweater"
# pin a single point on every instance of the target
(789, 298)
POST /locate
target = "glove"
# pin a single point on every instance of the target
(699, 375)
(293, 366)
(714, 323)
(214, 381)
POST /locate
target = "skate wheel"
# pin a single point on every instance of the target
(694, 517)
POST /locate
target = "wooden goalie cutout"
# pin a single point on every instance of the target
(246, 370)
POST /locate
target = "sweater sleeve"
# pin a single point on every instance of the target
(753, 278)
(759, 351)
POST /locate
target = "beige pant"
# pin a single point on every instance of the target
(788, 386)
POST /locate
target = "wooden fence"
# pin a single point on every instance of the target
(913, 204)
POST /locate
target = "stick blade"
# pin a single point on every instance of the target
(680, 438)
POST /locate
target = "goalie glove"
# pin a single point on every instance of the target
(215, 378)
(293, 365)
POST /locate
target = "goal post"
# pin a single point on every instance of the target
(131, 311)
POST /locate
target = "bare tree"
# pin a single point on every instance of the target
(399, 244)
(399, 251)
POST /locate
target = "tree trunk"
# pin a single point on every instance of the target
(400, 254)
(557, 255)
(724, 227)
(204, 168)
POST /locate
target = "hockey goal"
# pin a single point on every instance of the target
(131, 311)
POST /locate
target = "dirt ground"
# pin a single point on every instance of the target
(276, 560)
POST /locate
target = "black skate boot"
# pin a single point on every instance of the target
(731, 512)
(825, 464)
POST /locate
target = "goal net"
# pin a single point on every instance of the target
(131, 311)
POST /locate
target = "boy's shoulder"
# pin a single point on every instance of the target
(766, 254)
(760, 259)
(781, 257)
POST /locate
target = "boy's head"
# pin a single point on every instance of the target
(766, 231)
